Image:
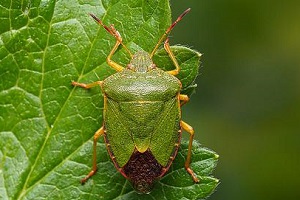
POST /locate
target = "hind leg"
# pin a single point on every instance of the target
(190, 130)
(98, 133)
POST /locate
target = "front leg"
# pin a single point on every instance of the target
(171, 55)
(119, 39)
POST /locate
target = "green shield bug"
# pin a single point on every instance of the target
(142, 115)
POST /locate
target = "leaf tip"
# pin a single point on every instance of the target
(199, 54)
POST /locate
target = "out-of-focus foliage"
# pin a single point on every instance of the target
(247, 105)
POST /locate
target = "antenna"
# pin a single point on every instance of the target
(168, 31)
(112, 31)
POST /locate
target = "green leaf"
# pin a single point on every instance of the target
(189, 62)
(46, 126)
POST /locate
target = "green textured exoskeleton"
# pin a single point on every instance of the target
(142, 116)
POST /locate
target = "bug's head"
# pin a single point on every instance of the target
(141, 62)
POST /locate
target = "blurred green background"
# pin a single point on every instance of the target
(247, 105)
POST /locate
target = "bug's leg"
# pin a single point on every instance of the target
(118, 37)
(111, 63)
(171, 55)
(184, 99)
(112, 31)
(190, 130)
(87, 86)
(98, 133)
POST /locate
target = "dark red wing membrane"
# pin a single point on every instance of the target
(142, 170)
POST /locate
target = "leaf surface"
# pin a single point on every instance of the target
(46, 125)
